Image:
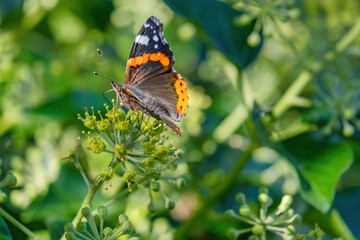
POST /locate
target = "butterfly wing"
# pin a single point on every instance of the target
(150, 54)
(151, 79)
(165, 94)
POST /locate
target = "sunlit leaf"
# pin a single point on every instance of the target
(322, 161)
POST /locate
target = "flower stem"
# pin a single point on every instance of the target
(285, 102)
(18, 224)
(218, 193)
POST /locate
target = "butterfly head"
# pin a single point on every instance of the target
(117, 86)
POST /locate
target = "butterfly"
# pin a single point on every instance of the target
(151, 84)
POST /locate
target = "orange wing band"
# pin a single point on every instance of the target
(183, 98)
(137, 61)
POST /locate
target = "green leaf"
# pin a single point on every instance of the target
(321, 162)
(216, 19)
(4, 230)
(317, 161)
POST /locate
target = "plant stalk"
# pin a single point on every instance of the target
(18, 224)
(285, 102)
(217, 194)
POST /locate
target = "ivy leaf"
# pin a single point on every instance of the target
(321, 162)
(318, 161)
(216, 19)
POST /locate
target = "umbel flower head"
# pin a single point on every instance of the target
(279, 222)
(141, 152)
(80, 231)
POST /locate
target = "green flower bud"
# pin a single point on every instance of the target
(244, 210)
(180, 153)
(263, 190)
(3, 197)
(158, 128)
(9, 180)
(89, 143)
(99, 147)
(124, 126)
(119, 114)
(103, 125)
(253, 237)
(172, 165)
(161, 155)
(107, 231)
(155, 174)
(130, 176)
(81, 226)
(95, 145)
(230, 214)
(135, 238)
(89, 121)
(120, 151)
(290, 212)
(120, 171)
(170, 204)
(257, 229)
(290, 230)
(297, 219)
(152, 207)
(148, 127)
(263, 198)
(232, 234)
(243, 20)
(102, 212)
(123, 218)
(148, 162)
(86, 212)
(69, 227)
(155, 186)
(127, 227)
(254, 39)
(70, 236)
(287, 199)
(181, 182)
(294, 13)
(240, 197)
(149, 148)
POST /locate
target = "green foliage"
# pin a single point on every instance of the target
(278, 222)
(274, 101)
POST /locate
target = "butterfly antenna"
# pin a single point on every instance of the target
(107, 78)
(98, 50)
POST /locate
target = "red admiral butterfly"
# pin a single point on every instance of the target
(151, 84)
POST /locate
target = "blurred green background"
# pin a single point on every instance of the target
(230, 64)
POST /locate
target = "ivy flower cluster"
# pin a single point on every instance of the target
(279, 222)
(141, 152)
(264, 13)
(123, 227)
(337, 102)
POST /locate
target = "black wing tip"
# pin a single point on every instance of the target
(155, 19)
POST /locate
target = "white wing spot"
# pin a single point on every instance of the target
(156, 46)
(154, 31)
(146, 25)
(155, 38)
(142, 39)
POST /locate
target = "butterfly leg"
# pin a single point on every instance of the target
(105, 97)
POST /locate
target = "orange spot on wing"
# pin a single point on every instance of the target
(156, 56)
(183, 98)
(139, 60)
(165, 61)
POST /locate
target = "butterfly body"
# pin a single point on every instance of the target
(151, 84)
